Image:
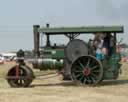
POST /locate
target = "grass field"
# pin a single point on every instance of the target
(56, 90)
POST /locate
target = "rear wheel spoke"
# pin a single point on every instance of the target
(81, 78)
(77, 71)
(88, 80)
(78, 75)
(81, 65)
(95, 71)
(93, 68)
(85, 80)
(88, 63)
(93, 80)
(94, 76)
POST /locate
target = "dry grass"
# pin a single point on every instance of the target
(56, 90)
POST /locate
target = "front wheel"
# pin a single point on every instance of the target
(23, 79)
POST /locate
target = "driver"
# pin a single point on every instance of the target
(20, 56)
(107, 44)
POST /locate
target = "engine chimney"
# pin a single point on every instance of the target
(36, 40)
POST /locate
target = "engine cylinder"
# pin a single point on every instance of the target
(44, 64)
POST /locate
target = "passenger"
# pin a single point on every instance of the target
(106, 49)
(98, 43)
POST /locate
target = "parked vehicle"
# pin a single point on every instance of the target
(1, 59)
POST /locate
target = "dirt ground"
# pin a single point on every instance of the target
(56, 90)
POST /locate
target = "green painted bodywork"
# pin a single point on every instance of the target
(111, 66)
(52, 59)
(53, 53)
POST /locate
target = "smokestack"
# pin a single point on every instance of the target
(36, 39)
(48, 37)
(47, 25)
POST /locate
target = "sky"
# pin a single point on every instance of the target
(17, 18)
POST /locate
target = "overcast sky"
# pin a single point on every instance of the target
(17, 18)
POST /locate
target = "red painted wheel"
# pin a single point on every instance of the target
(87, 70)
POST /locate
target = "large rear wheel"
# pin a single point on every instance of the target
(87, 70)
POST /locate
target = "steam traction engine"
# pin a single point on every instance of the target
(76, 58)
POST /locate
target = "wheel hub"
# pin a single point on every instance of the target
(86, 71)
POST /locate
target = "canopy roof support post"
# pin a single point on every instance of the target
(115, 41)
(48, 40)
(48, 36)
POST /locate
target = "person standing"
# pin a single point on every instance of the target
(98, 43)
